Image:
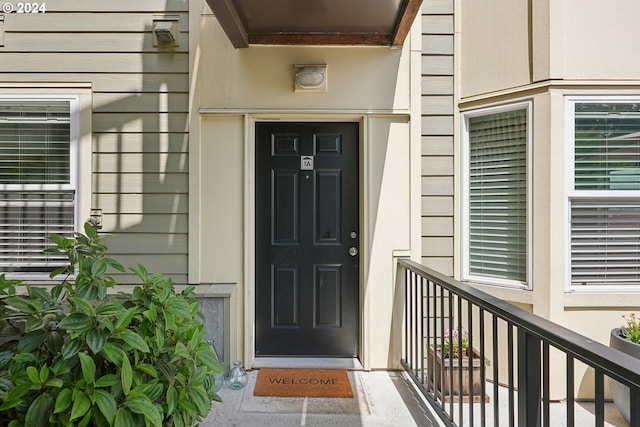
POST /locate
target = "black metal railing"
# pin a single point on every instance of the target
(514, 362)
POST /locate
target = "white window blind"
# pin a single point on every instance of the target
(36, 193)
(34, 142)
(497, 179)
(605, 242)
(607, 146)
(605, 207)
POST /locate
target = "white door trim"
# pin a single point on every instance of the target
(249, 223)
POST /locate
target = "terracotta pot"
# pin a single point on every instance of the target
(619, 392)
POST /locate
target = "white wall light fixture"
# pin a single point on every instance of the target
(95, 218)
(310, 78)
(166, 30)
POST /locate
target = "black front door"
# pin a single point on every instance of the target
(307, 234)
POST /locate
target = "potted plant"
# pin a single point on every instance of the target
(447, 360)
(626, 339)
(82, 356)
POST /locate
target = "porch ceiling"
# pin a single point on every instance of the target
(316, 22)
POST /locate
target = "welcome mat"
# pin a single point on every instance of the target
(303, 383)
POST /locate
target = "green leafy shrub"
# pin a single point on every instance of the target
(632, 330)
(455, 344)
(84, 357)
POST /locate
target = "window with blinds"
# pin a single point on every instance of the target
(497, 196)
(37, 196)
(605, 201)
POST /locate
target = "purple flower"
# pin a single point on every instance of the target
(454, 343)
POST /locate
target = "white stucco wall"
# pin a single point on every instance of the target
(494, 45)
(510, 52)
(232, 90)
(504, 44)
(598, 41)
(261, 77)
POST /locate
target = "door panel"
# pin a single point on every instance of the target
(328, 289)
(285, 208)
(285, 295)
(328, 208)
(307, 282)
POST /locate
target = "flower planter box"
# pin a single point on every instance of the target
(470, 368)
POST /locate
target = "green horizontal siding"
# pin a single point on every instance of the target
(140, 176)
(437, 134)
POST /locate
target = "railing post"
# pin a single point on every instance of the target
(529, 387)
(634, 407)
(400, 317)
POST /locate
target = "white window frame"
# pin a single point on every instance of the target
(75, 106)
(465, 192)
(572, 194)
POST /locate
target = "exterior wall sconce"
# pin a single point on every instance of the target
(166, 30)
(310, 78)
(95, 218)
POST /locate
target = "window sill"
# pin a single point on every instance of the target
(517, 295)
(601, 300)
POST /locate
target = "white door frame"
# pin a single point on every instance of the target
(249, 215)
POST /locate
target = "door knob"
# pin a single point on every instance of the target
(353, 251)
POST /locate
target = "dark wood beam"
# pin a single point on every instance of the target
(227, 15)
(320, 39)
(238, 33)
(408, 15)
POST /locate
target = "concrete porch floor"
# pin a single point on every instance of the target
(584, 412)
(381, 399)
